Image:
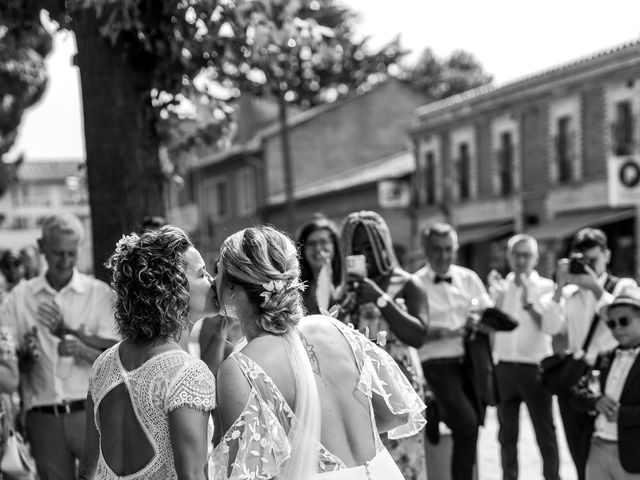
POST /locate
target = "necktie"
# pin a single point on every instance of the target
(442, 278)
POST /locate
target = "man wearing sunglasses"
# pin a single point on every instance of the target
(614, 400)
(583, 287)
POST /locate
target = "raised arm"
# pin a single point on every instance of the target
(410, 324)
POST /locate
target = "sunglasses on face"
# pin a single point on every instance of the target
(622, 321)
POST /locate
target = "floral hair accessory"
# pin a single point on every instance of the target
(126, 244)
(270, 287)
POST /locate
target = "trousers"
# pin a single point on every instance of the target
(517, 384)
(453, 392)
(57, 443)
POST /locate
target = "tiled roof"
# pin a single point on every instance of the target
(522, 82)
(47, 172)
(396, 166)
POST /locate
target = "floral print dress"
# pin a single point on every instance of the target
(256, 445)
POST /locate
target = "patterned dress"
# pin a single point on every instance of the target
(166, 382)
(259, 435)
(7, 355)
(409, 453)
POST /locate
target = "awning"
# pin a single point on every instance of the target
(567, 224)
(485, 231)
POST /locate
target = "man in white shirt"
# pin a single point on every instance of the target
(518, 353)
(62, 320)
(455, 294)
(613, 396)
(577, 299)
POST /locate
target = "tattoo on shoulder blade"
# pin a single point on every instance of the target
(311, 353)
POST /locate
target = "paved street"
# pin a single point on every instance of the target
(528, 453)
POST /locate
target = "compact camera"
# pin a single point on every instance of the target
(577, 264)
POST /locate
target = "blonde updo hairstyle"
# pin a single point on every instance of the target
(255, 259)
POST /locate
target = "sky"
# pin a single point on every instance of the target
(511, 39)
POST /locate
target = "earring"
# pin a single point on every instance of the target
(225, 331)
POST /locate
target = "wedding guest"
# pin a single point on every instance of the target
(320, 264)
(578, 298)
(30, 258)
(306, 397)
(612, 398)
(61, 321)
(455, 294)
(12, 268)
(149, 400)
(518, 354)
(388, 299)
(9, 378)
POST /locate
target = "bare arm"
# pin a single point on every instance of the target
(89, 461)
(212, 344)
(408, 325)
(233, 392)
(188, 432)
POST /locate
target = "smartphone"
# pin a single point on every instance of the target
(357, 264)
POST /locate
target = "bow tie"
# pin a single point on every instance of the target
(626, 352)
(442, 278)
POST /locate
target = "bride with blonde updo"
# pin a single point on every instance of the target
(292, 401)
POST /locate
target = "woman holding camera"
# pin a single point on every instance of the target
(385, 299)
(149, 401)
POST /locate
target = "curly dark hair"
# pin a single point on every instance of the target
(148, 277)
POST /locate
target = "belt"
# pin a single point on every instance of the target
(518, 364)
(444, 361)
(60, 409)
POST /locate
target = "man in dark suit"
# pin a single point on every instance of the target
(613, 395)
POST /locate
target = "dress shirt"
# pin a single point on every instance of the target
(528, 342)
(84, 302)
(449, 307)
(616, 379)
(576, 309)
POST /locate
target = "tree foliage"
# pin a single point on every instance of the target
(24, 44)
(302, 50)
(443, 77)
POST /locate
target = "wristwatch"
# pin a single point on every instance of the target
(383, 300)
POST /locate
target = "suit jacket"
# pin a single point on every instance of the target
(481, 369)
(628, 414)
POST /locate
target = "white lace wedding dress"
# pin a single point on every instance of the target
(167, 381)
(257, 445)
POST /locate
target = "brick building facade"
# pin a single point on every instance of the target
(531, 156)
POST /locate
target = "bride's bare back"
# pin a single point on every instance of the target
(347, 430)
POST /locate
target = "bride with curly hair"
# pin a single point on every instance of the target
(149, 401)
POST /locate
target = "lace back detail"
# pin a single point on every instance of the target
(260, 433)
(168, 381)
